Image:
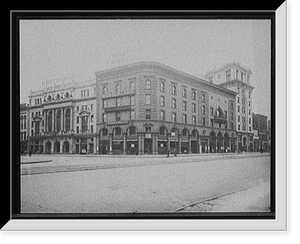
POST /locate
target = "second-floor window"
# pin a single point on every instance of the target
(148, 99)
(194, 120)
(162, 101)
(184, 105)
(173, 117)
(148, 84)
(162, 86)
(203, 110)
(173, 103)
(162, 115)
(118, 89)
(148, 113)
(173, 90)
(194, 107)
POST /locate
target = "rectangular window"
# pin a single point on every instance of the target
(184, 120)
(228, 75)
(148, 113)
(211, 111)
(77, 109)
(173, 103)
(238, 108)
(249, 111)
(118, 103)
(132, 115)
(231, 104)
(212, 123)
(174, 117)
(162, 101)
(239, 127)
(118, 116)
(238, 99)
(92, 107)
(225, 114)
(203, 98)
(92, 129)
(231, 116)
(148, 99)
(194, 120)
(105, 104)
(77, 119)
(194, 107)
(162, 115)
(184, 105)
(203, 121)
(132, 100)
(249, 128)
(77, 129)
(104, 118)
(232, 126)
(249, 103)
(203, 110)
(162, 86)
(173, 90)
(92, 118)
(249, 120)
(239, 118)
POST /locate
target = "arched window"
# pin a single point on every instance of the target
(148, 84)
(104, 132)
(131, 130)
(185, 132)
(162, 86)
(163, 131)
(118, 131)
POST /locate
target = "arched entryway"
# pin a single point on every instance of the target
(220, 146)
(57, 147)
(66, 147)
(131, 141)
(103, 141)
(226, 142)
(194, 141)
(163, 140)
(212, 142)
(48, 147)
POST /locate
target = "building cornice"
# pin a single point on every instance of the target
(158, 68)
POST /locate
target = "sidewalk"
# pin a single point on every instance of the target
(254, 199)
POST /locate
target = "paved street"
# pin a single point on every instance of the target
(112, 184)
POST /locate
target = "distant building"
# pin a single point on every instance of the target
(24, 122)
(260, 123)
(237, 78)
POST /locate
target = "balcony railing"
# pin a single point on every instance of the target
(118, 108)
(123, 93)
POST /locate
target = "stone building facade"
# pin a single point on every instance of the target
(150, 108)
(24, 122)
(62, 118)
(237, 78)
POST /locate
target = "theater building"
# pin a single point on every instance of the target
(150, 108)
(237, 78)
(62, 118)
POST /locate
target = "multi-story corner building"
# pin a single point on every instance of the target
(150, 108)
(62, 118)
(24, 121)
(237, 78)
(260, 123)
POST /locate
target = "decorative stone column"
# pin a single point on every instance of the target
(199, 144)
(179, 143)
(125, 143)
(168, 142)
(110, 142)
(189, 144)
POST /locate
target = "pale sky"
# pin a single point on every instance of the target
(51, 49)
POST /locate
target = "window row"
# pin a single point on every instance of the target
(118, 88)
(85, 108)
